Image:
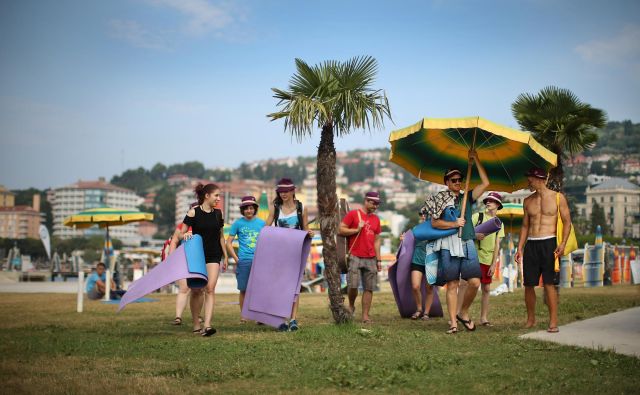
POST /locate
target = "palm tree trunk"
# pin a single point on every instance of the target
(327, 211)
(556, 175)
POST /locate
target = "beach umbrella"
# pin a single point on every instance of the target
(105, 217)
(429, 147)
(263, 206)
(432, 145)
(512, 213)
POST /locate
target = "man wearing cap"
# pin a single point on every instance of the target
(247, 228)
(537, 247)
(458, 256)
(362, 227)
(488, 247)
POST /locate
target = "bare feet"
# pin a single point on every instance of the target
(530, 324)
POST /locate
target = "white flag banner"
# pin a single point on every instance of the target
(46, 240)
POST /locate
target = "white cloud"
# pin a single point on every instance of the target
(202, 16)
(621, 50)
(136, 35)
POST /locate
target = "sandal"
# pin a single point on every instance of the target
(416, 315)
(197, 331)
(425, 317)
(208, 331)
(177, 321)
(367, 322)
(486, 323)
(466, 324)
(553, 329)
(452, 330)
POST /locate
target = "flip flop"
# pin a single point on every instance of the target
(486, 323)
(367, 322)
(553, 329)
(416, 315)
(466, 324)
(208, 331)
(452, 330)
(177, 321)
(197, 331)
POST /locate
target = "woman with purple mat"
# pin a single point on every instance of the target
(247, 230)
(288, 212)
(205, 220)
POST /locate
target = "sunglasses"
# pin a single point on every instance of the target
(456, 180)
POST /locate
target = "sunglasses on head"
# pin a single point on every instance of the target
(456, 180)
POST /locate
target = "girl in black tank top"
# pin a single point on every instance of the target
(205, 220)
(208, 225)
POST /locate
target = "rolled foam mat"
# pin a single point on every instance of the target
(276, 273)
(187, 261)
(492, 225)
(400, 280)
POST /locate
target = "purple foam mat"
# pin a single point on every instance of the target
(172, 269)
(400, 280)
(492, 225)
(276, 273)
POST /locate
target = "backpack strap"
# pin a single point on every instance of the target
(276, 213)
(480, 218)
(299, 212)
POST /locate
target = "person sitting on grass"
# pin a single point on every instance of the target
(96, 284)
(246, 229)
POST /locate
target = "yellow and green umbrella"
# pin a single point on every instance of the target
(513, 214)
(106, 217)
(263, 206)
(429, 147)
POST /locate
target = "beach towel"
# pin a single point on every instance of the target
(187, 261)
(400, 280)
(276, 274)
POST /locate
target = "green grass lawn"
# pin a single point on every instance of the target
(46, 347)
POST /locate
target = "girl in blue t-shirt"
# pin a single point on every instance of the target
(246, 229)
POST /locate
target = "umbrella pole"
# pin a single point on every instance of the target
(466, 184)
(107, 280)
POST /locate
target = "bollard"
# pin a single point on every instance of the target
(107, 285)
(565, 272)
(80, 291)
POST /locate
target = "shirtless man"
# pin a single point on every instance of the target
(539, 235)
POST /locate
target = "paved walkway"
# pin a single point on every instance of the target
(619, 332)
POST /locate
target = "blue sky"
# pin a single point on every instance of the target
(91, 88)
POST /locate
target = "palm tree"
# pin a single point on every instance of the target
(336, 97)
(560, 122)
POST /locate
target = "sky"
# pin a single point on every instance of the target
(91, 88)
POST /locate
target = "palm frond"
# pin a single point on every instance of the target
(335, 93)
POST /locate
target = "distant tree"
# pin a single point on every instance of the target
(598, 218)
(158, 172)
(597, 168)
(560, 122)
(166, 214)
(138, 180)
(245, 171)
